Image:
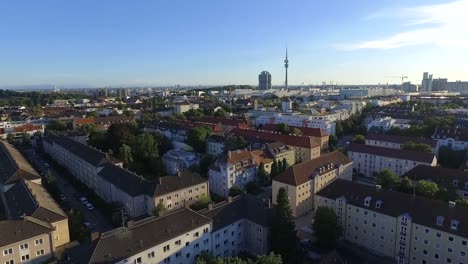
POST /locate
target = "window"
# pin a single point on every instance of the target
(25, 257)
(454, 224)
(426, 241)
(177, 243)
(10, 262)
(151, 255)
(449, 250)
(178, 254)
(187, 244)
(38, 242)
(450, 238)
(7, 251)
(449, 260)
(138, 260)
(167, 260)
(464, 242)
(166, 248)
(24, 246)
(197, 245)
(438, 234)
(195, 234)
(40, 252)
(187, 255)
(205, 230)
(462, 254)
(425, 252)
(436, 256)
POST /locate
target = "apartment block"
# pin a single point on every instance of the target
(370, 160)
(407, 228)
(176, 160)
(298, 120)
(303, 180)
(238, 225)
(113, 183)
(320, 135)
(397, 142)
(305, 148)
(215, 145)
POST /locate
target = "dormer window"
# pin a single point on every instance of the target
(440, 220)
(404, 219)
(378, 204)
(367, 201)
(454, 224)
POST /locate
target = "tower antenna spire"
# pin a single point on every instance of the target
(286, 64)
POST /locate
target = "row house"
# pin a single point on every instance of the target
(370, 160)
(397, 142)
(305, 148)
(406, 228)
(303, 180)
(455, 138)
(238, 225)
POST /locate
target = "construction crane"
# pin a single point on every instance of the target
(402, 77)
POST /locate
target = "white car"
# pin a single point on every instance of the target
(89, 206)
(83, 200)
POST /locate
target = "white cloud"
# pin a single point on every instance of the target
(443, 25)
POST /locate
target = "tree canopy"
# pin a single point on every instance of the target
(197, 137)
(417, 146)
(359, 139)
(387, 179)
(326, 227)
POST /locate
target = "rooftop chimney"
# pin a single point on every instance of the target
(452, 204)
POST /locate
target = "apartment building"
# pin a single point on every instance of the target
(280, 151)
(397, 142)
(370, 160)
(215, 145)
(237, 225)
(17, 131)
(236, 168)
(303, 180)
(455, 138)
(182, 108)
(176, 160)
(444, 177)
(297, 120)
(35, 225)
(407, 228)
(113, 183)
(305, 148)
(320, 135)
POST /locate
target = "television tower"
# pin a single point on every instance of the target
(286, 61)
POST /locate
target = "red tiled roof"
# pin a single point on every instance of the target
(297, 141)
(225, 121)
(84, 121)
(306, 131)
(27, 128)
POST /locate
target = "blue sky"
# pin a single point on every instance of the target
(114, 43)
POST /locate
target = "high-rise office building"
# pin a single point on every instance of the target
(264, 80)
(427, 82)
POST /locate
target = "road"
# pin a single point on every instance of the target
(98, 222)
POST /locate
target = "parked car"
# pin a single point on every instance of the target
(83, 200)
(89, 206)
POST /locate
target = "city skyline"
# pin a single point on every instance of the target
(91, 44)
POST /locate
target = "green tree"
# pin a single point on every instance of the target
(194, 114)
(332, 141)
(387, 179)
(339, 129)
(205, 164)
(159, 210)
(10, 137)
(449, 158)
(297, 131)
(94, 114)
(326, 227)
(129, 113)
(125, 154)
(88, 128)
(235, 191)
(197, 137)
(145, 147)
(418, 147)
(274, 169)
(426, 188)
(462, 202)
(284, 165)
(234, 142)
(57, 125)
(220, 113)
(282, 128)
(271, 258)
(406, 185)
(283, 238)
(359, 139)
(262, 174)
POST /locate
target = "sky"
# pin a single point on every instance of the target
(91, 43)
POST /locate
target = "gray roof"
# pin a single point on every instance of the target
(181, 181)
(121, 243)
(404, 154)
(127, 181)
(243, 206)
(14, 231)
(85, 152)
(28, 198)
(13, 165)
